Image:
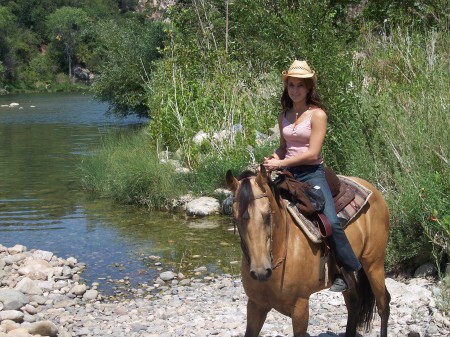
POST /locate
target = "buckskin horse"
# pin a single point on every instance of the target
(281, 266)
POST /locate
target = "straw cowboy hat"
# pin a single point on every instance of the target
(299, 69)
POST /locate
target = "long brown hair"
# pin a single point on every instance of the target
(312, 98)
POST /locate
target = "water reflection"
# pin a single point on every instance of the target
(42, 205)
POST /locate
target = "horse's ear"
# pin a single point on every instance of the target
(264, 175)
(262, 178)
(232, 182)
(262, 171)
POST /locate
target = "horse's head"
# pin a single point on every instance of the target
(253, 214)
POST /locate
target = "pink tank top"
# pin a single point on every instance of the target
(297, 137)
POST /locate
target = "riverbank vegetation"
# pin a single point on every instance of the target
(50, 46)
(213, 67)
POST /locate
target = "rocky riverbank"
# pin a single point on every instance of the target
(42, 295)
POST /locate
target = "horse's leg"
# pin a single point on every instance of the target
(300, 317)
(375, 274)
(256, 316)
(353, 302)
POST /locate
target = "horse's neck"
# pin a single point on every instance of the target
(280, 221)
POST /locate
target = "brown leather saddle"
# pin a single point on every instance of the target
(344, 193)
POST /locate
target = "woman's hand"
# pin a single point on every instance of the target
(271, 164)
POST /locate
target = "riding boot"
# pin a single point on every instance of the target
(344, 281)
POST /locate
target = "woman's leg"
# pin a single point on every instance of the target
(315, 176)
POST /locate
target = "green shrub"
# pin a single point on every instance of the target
(127, 169)
(403, 118)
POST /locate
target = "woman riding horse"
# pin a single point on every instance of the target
(268, 232)
(303, 124)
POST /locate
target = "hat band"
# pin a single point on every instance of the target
(300, 67)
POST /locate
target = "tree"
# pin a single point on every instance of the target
(125, 63)
(68, 26)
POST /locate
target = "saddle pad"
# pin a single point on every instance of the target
(308, 227)
(362, 195)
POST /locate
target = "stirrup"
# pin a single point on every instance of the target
(339, 285)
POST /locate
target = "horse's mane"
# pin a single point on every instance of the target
(246, 193)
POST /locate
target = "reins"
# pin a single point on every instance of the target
(282, 259)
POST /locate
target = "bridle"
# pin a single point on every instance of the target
(244, 248)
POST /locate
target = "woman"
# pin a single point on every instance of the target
(303, 125)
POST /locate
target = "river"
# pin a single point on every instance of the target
(42, 205)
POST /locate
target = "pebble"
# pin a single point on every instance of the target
(209, 305)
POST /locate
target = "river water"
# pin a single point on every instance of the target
(42, 205)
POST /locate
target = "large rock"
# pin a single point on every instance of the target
(425, 270)
(203, 206)
(28, 286)
(227, 205)
(12, 315)
(167, 276)
(19, 332)
(43, 328)
(42, 255)
(36, 268)
(91, 294)
(79, 289)
(12, 299)
(200, 137)
(17, 248)
(11, 259)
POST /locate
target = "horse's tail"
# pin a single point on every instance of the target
(367, 309)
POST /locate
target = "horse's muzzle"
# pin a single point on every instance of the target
(261, 274)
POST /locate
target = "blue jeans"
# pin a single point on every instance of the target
(315, 175)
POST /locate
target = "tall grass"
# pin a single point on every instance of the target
(126, 168)
(404, 118)
(218, 101)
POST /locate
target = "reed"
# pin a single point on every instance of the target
(127, 169)
(404, 119)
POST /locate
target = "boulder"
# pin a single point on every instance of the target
(42, 255)
(203, 206)
(12, 315)
(11, 259)
(17, 248)
(43, 328)
(12, 299)
(79, 289)
(9, 325)
(227, 205)
(90, 294)
(19, 332)
(28, 286)
(36, 268)
(200, 137)
(425, 270)
(167, 276)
